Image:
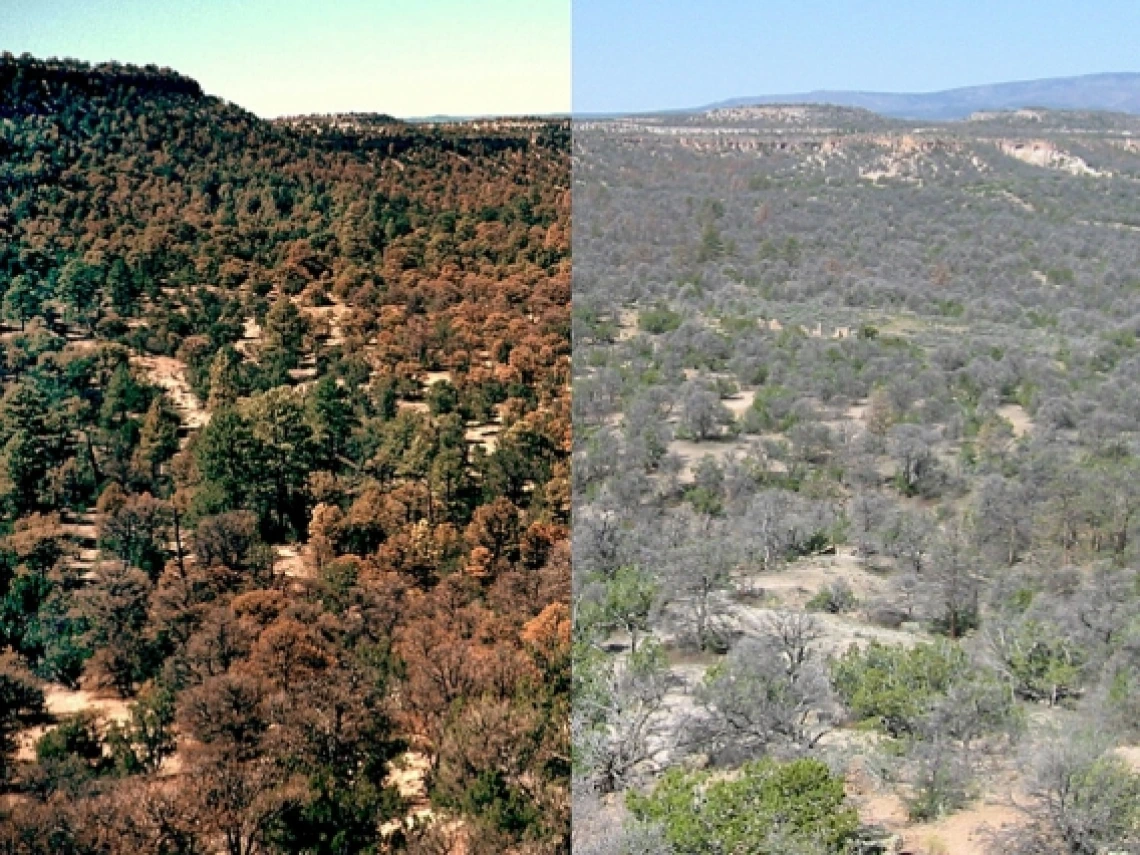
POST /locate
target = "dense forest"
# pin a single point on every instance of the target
(284, 476)
(856, 484)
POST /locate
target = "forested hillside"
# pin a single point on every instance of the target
(284, 484)
(856, 482)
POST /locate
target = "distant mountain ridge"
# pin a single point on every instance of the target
(1119, 91)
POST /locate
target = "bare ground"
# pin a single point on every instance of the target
(739, 403)
(329, 321)
(1015, 414)
(801, 580)
(250, 337)
(691, 452)
(293, 562)
(408, 774)
(170, 374)
(60, 703)
(627, 324)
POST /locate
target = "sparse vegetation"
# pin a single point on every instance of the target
(877, 409)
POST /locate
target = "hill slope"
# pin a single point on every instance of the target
(851, 398)
(283, 473)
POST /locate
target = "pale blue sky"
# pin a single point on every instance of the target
(650, 54)
(420, 57)
(275, 57)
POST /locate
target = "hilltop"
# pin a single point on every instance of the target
(37, 80)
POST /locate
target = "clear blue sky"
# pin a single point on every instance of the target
(275, 57)
(648, 54)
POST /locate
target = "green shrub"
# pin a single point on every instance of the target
(442, 398)
(77, 736)
(704, 501)
(20, 699)
(835, 598)
(771, 410)
(69, 756)
(658, 320)
(1044, 664)
(800, 802)
(894, 687)
(142, 743)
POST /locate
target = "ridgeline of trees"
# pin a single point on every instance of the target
(241, 485)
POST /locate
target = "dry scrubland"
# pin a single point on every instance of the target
(856, 484)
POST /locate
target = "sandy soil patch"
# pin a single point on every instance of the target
(857, 412)
(817, 331)
(328, 321)
(1015, 414)
(293, 561)
(408, 774)
(679, 707)
(966, 832)
(170, 374)
(250, 337)
(691, 452)
(884, 809)
(81, 342)
(739, 403)
(837, 632)
(484, 435)
(61, 702)
(1130, 754)
(802, 579)
(627, 324)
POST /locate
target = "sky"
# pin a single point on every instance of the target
(653, 54)
(506, 57)
(408, 58)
